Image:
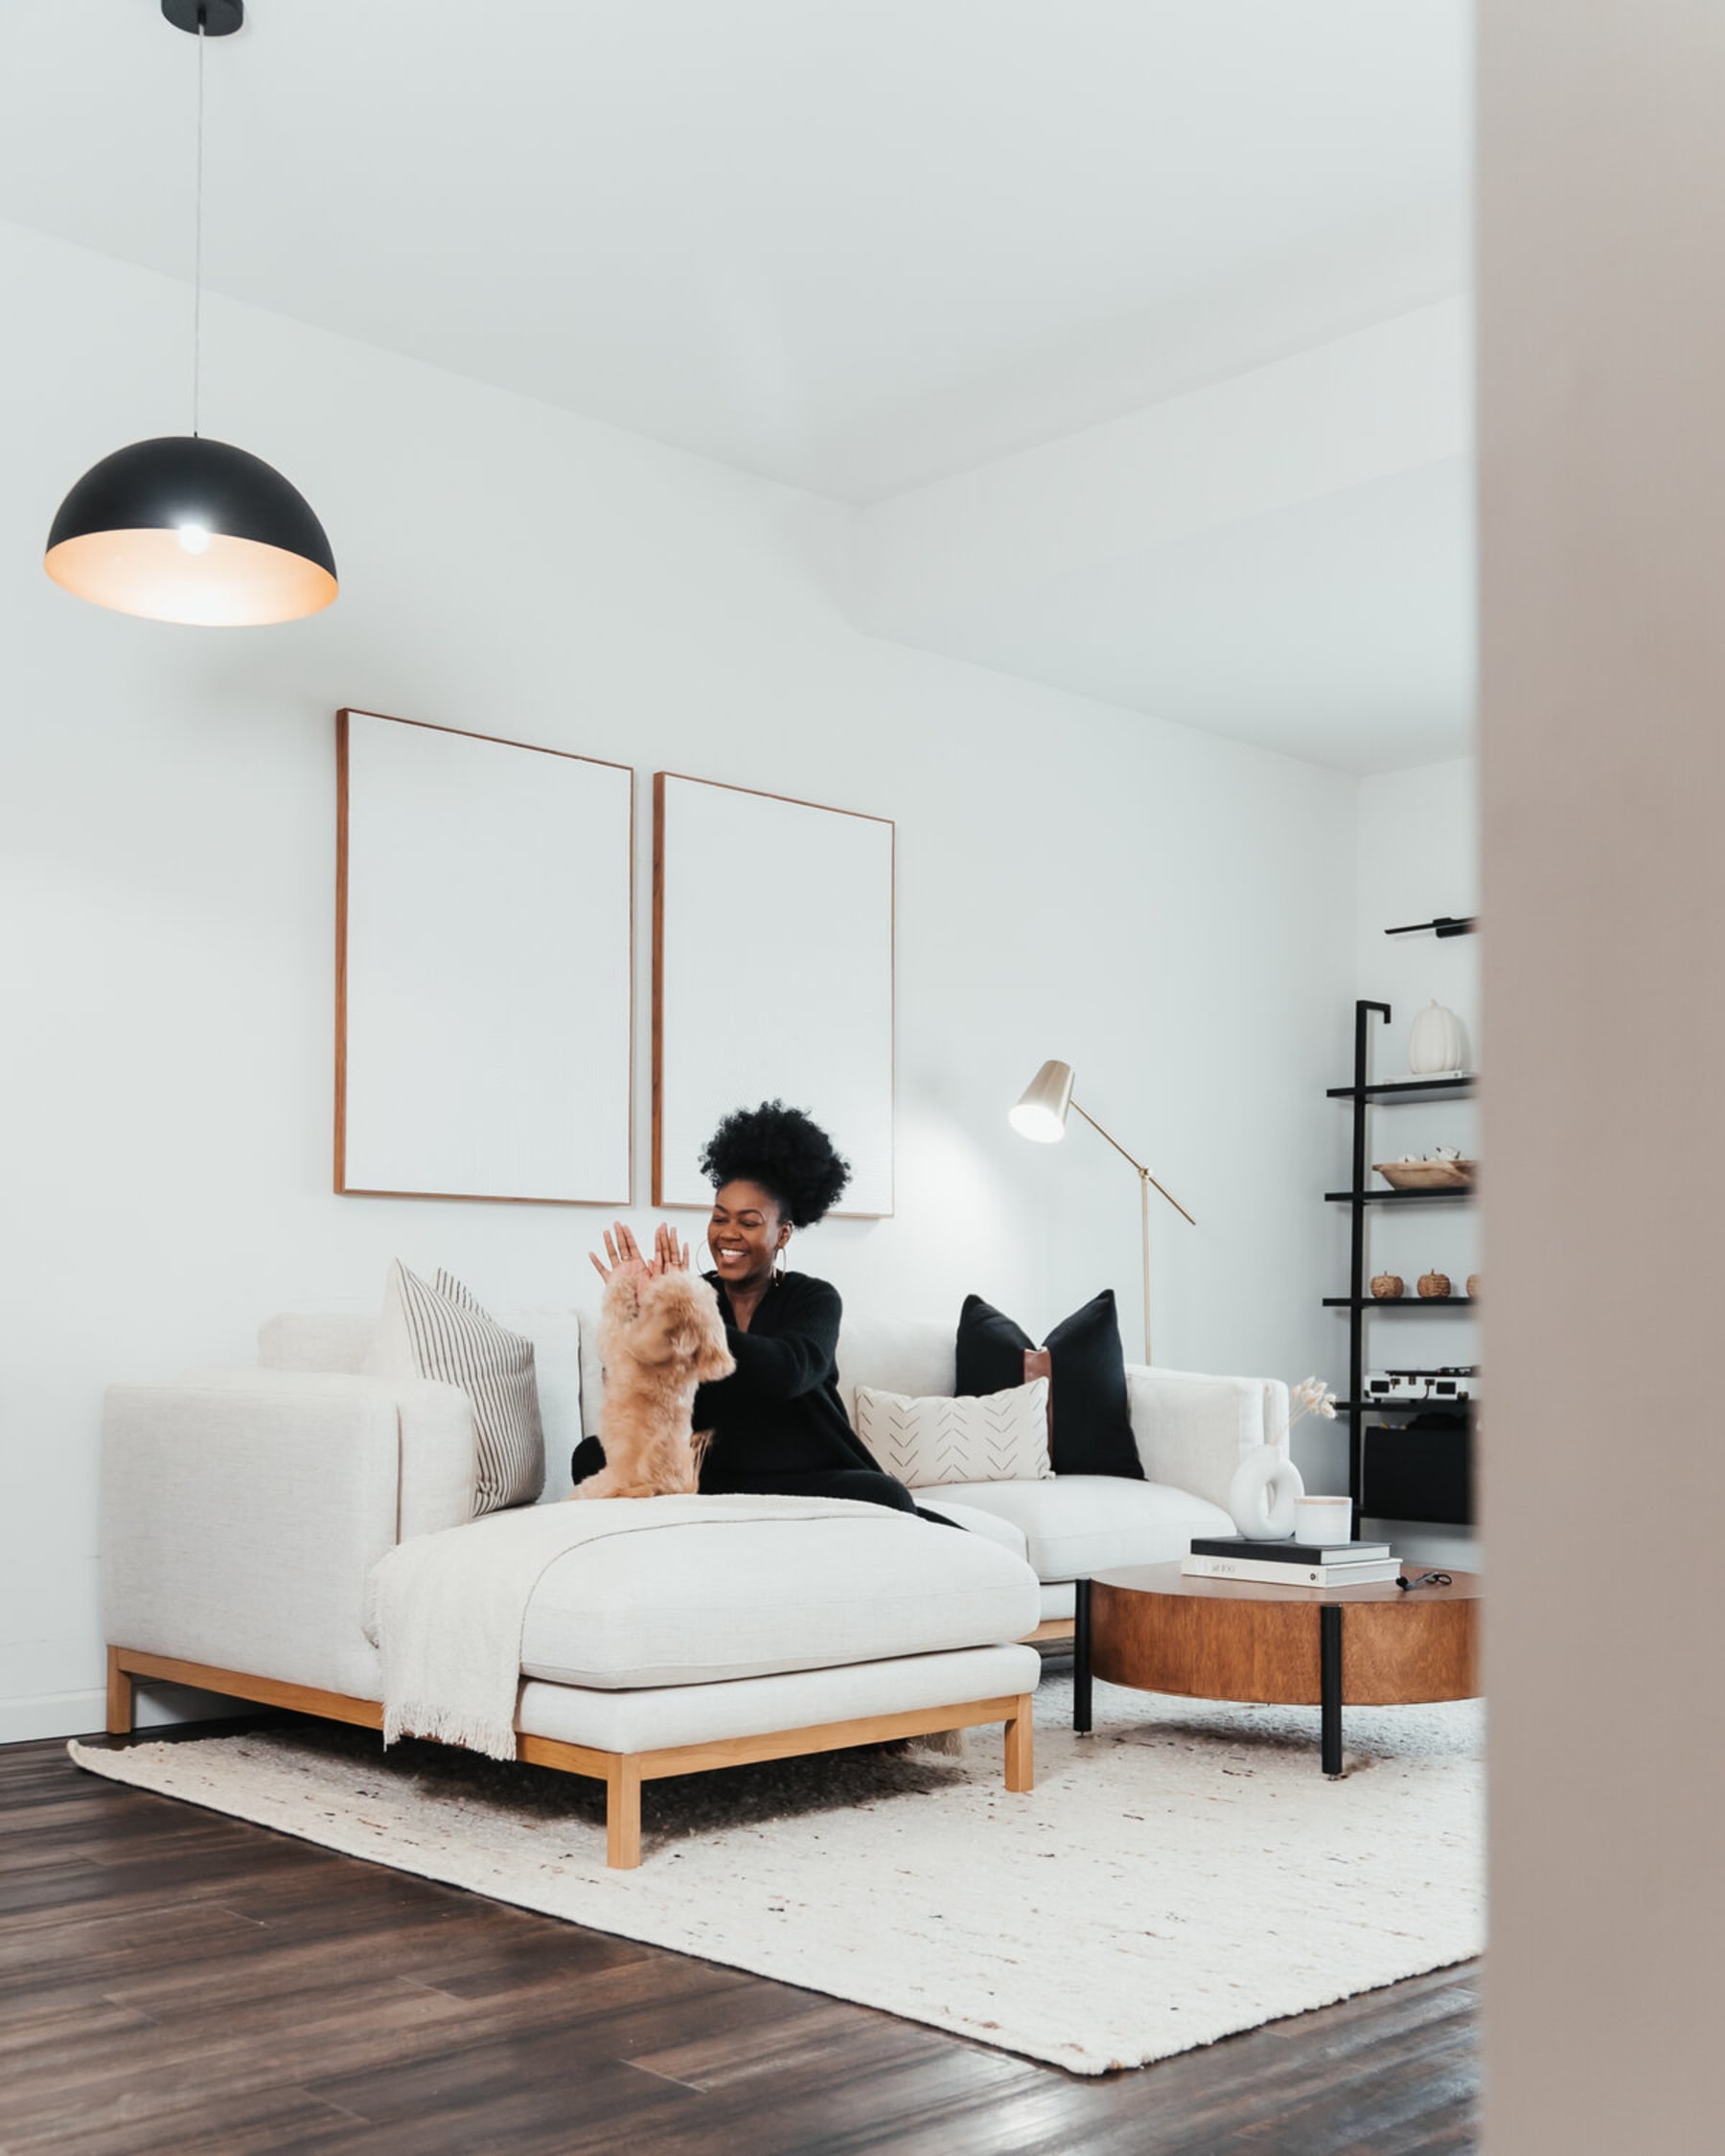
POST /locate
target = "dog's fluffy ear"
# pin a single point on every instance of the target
(677, 1321)
(668, 1327)
(714, 1359)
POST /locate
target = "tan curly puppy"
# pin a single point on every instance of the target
(661, 1335)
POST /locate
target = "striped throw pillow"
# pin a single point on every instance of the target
(997, 1437)
(439, 1330)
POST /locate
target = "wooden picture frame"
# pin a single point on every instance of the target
(484, 967)
(790, 995)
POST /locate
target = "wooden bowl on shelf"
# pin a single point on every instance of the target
(1427, 1175)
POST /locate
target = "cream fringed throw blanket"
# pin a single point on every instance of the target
(446, 1609)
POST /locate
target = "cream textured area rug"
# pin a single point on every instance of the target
(1184, 1873)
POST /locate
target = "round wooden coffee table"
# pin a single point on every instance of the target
(1152, 1628)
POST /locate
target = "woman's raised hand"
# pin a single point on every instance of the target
(624, 1254)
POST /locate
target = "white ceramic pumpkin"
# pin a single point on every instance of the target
(1437, 1044)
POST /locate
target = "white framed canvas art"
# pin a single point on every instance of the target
(797, 1006)
(484, 967)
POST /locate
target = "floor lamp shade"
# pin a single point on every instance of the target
(184, 529)
(1040, 1112)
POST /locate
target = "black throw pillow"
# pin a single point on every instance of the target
(1090, 1429)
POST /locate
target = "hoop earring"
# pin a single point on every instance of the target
(779, 1267)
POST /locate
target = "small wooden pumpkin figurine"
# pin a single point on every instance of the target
(1387, 1286)
(1434, 1284)
(1473, 1286)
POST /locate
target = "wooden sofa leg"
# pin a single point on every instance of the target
(119, 1696)
(1021, 1748)
(623, 1814)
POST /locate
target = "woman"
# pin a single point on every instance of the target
(778, 1426)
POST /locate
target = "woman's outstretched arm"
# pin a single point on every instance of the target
(798, 1359)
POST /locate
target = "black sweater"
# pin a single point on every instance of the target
(781, 1412)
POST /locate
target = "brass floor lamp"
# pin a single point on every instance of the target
(1041, 1114)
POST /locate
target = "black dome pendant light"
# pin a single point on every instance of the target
(184, 529)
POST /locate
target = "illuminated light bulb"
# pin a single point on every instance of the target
(1040, 1110)
(1036, 1122)
(194, 539)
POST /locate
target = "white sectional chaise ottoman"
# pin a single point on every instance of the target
(245, 1509)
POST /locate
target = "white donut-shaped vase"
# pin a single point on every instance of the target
(1262, 1496)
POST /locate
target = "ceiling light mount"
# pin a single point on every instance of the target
(210, 18)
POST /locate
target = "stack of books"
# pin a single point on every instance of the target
(1290, 1564)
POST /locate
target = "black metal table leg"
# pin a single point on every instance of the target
(1330, 1685)
(1081, 1658)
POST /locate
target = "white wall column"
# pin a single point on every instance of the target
(1602, 313)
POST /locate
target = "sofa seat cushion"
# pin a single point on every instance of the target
(990, 1525)
(1080, 1524)
(646, 1720)
(703, 1604)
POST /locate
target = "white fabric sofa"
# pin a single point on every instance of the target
(245, 1509)
(1192, 1432)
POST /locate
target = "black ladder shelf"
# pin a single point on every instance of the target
(1359, 1300)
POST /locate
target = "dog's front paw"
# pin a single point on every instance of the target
(621, 1302)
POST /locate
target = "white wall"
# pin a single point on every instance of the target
(1076, 881)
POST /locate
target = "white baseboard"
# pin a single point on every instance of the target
(69, 1714)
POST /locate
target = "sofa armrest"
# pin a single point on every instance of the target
(1194, 1431)
(241, 1511)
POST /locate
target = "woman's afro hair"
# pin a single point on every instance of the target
(786, 1152)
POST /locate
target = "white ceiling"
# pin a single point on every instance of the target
(857, 246)
(1346, 588)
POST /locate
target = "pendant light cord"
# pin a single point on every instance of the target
(197, 242)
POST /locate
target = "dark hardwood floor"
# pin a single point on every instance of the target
(174, 1980)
